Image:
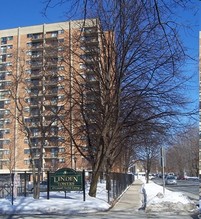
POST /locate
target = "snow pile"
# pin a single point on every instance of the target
(166, 201)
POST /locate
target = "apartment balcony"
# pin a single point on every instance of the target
(4, 84)
(51, 42)
(51, 37)
(36, 57)
(38, 137)
(36, 93)
(91, 50)
(51, 156)
(47, 123)
(36, 156)
(51, 102)
(2, 67)
(50, 146)
(33, 83)
(50, 83)
(90, 30)
(36, 75)
(37, 38)
(89, 40)
(4, 160)
(38, 48)
(51, 47)
(51, 94)
(36, 63)
(51, 55)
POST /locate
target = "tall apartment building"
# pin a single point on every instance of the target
(37, 64)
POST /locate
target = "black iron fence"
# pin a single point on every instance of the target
(119, 183)
(5, 190)
(115, 184)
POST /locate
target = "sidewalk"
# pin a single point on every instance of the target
(132, 199)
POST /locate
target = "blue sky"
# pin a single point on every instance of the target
(20, 13)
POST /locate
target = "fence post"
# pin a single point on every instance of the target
(12, 185)
(25, 183)
(83, 181)
(48, 184)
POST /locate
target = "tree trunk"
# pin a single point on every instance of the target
(94, 183)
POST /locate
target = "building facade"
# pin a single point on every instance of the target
(39, 68)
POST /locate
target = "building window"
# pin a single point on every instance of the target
(3, 58)
(60, 31)
(3, 49)
(7, 101)
(29, 44)
(27, 109)
(61, 68)
(7, 121)
(60, 40)
(8, 73)
(54, 34)
(7, 141)
(29, 53)
(82, 66)
(27, 162)
(26, 151)
(34, 36)
(6, 151)
(10, 38)
(9, 46)
(9, 63)
(61, 160)
(7, 131)
(3, 40)
(61, 150)
(9, 55)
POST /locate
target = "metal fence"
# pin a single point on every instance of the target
(8, 189)
(119, 183)
(5, 190)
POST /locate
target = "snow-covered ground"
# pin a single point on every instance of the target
(73, 203)
(164, 200)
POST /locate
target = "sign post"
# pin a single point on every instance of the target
(163, 162)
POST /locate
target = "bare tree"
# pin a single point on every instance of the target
(137, 78)
(183, 154)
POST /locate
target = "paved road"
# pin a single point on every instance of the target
(188, 187)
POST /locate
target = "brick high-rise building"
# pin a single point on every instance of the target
(37, 64)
